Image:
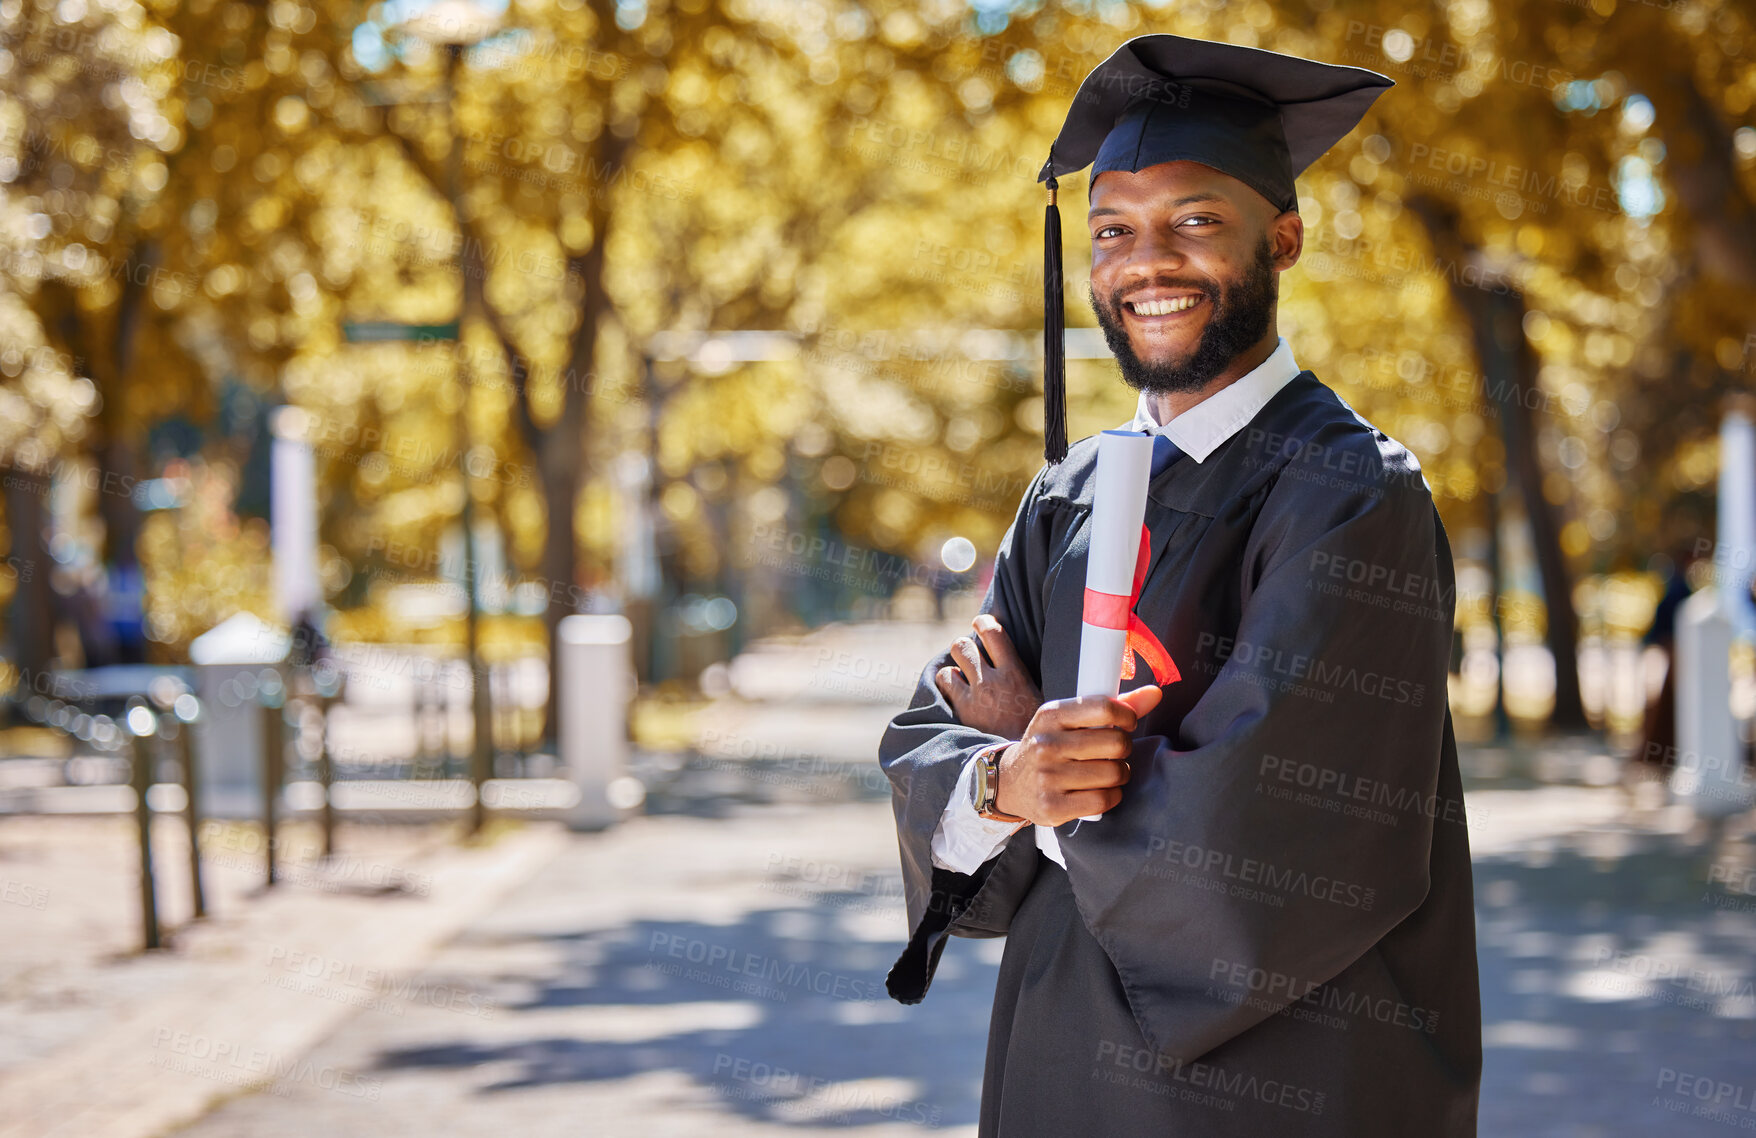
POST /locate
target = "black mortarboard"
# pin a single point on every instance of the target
(1260, 116)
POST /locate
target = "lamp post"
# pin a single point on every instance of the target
(455, 25)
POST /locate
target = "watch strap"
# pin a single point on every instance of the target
(987, 784)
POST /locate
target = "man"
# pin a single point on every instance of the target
(1270, 928)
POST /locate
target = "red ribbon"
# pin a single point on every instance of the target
(1111, 610)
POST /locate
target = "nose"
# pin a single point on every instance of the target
(1154, 252)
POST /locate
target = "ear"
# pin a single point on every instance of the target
(1286, 239)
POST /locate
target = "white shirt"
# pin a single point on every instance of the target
(964, 839)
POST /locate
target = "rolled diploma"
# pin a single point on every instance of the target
(1124, 466)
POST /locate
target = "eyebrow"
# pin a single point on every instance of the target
(1189, 199)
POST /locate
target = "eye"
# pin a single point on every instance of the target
(1108, 231)
(1199, 220)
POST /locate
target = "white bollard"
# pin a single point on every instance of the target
(292, 531)
(595, 687)
(1736, 547)
(1710, 774)
(229, 660)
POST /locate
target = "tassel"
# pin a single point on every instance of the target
(1054, 338)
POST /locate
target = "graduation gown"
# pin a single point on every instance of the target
(1273, 932)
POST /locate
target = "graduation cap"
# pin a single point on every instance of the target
(1259, 116)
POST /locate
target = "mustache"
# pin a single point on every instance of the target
(1118, 297)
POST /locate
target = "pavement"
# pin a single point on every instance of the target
(104, 1041)
(719, 972)
(715, 967)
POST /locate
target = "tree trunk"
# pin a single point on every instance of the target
(32, 621)
(1509, 371)
(108, 361)
(1496, 603)
(557, 449)
(561, 456)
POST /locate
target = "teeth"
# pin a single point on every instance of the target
(1163, 307)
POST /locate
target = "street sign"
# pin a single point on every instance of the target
(386, 331)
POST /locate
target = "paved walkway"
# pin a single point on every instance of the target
(103, 1042)
(688, 976)
(676, 977)
(716, 967)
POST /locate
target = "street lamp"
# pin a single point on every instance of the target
(456, 25)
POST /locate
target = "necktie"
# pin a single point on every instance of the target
(1164, 452)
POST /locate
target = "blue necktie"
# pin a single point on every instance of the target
(1164, 452)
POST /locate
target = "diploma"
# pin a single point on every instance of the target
(1124, 466)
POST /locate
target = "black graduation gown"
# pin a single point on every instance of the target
(1274, 932)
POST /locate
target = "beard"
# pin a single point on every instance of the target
(1242, 312)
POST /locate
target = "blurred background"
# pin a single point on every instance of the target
(477, 477)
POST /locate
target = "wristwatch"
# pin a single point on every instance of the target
(984, 788)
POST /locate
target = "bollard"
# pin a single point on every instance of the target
(1710, 775)
(424, 749)
(191, 807)
(140, 725)
(481, 754)
(326, 770)
(595, 685)
(273, 757)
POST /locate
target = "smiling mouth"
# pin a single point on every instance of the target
(1163, 307)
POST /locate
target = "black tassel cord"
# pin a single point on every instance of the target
(1054, 339)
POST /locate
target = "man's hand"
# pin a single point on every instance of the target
(998, 698)
(1073, 758)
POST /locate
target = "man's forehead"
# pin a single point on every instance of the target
(1169, 183)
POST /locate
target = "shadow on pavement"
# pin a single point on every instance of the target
(783, 1015)
(1616, 987)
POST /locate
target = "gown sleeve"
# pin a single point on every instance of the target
(1242, 840)
(924, 751)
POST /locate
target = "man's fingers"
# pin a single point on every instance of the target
(967, 657)
(1094, 774)
(1087, 802)
(1085, 743)
(1091, 711)
(1142, 700)
(951, 683)
(995, 640)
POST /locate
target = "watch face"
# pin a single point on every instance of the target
(978, 786)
